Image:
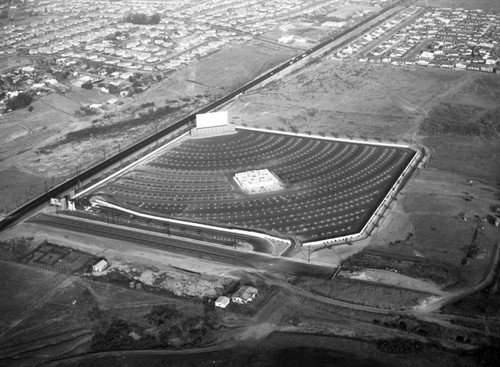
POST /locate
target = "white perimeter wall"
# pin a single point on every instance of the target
(211, 119)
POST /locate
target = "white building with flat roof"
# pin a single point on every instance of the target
(258, 181)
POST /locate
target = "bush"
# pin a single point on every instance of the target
(116, 337)
(86, 111)
(87, 85)
(163, 315)
(400, 346)
(113, 89)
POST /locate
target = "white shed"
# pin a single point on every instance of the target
(222, 302)
(100, 266)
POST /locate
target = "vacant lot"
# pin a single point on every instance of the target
(364, 293)
(363, 100)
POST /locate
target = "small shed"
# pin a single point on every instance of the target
(222, 302)
(245, 294)
(100, 265)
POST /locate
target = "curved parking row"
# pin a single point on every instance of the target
(331, 188)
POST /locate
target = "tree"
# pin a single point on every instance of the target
(154, 19)
(113, 89)
(140, 18)
(20, 101)
(87, 85)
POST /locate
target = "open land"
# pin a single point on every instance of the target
(434, 241)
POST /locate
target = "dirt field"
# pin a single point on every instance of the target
(362, 100)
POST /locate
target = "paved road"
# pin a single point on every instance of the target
(257, 261)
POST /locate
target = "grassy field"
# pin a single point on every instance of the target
(364, 293)
(359, 99)
(293, 349)
(471, 157)
(46, 314)
(440, 273)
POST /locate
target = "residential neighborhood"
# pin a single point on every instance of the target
(453, 38)
(123, 47)
(95, 30)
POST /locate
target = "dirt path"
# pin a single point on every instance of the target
(436, 304)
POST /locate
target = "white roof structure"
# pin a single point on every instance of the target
(245, 294)
(100, 266)
(258, 181)
(222, 302)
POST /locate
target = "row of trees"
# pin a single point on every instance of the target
(140, 18)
